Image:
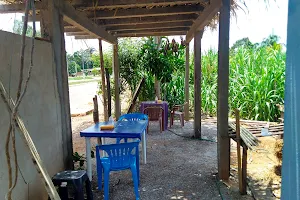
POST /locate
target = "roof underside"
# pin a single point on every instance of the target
(138, 18)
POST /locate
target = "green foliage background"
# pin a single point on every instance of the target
(257, 74)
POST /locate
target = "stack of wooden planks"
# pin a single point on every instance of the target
(248, 138)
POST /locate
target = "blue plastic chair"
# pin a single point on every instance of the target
(120, 157)
(131, 117)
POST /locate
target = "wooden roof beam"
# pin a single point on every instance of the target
(77, 34)
(145, 12)
(79, 20)
(109, 4)
(72, 29)
(85, 37)
(151, 34)
(148, 20)
(204, 18)
(17, 8)
(161, 30)
(149, 26)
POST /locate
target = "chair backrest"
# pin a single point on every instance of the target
(133, 117)
(178, 107)
(153, 112)
(120, 155)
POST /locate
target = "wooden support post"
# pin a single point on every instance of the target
(108, 91)
(157, 84)
(197, 84)
(103, 81)
(238, 141)
(116, 82)
(96, 110)
(223, 81)
(186, 83)
(244, 170)
(53, 23)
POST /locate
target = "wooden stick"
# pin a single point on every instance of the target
(103, 81)
(238, 141)
(135, 95)
(95, 111)
(108, 91)
(96, 114)
(41, 169)
(244, 170)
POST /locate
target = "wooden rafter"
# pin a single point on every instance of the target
(108, 4)
(77, 19)
(204, 18)
(85, 37)
(159, 30)
(72, 29)
(76, 33)
(150, 26)
(151, 34)
(17, 8)
(147, 20)
(145, 12)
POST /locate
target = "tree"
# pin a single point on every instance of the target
(82, 58)
(270, 41)
(18, 28)
(244, 42)
(73, 67)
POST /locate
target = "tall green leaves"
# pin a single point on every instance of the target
(256, 83)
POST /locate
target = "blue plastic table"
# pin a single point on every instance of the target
(123, 129)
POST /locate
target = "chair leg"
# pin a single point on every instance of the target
(138, 166)
(106, 184)
(135, 182)
(99, 170)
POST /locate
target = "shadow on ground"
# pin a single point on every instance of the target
(177, 168)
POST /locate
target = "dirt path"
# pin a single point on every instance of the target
(81, 97)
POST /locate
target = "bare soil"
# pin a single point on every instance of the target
(264, 181)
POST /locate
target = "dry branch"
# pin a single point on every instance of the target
(11, 129)
(30, 144)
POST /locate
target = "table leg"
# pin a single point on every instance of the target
(88, 157)
(144, 147)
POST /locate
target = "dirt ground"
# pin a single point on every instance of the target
(265, 184)
(177, 168)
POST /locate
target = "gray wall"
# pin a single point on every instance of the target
(39, 110)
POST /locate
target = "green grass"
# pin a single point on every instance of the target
(256, 82)
(78, 78)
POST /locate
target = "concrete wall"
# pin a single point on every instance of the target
(39, 110)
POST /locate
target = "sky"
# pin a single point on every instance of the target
(257, 21)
